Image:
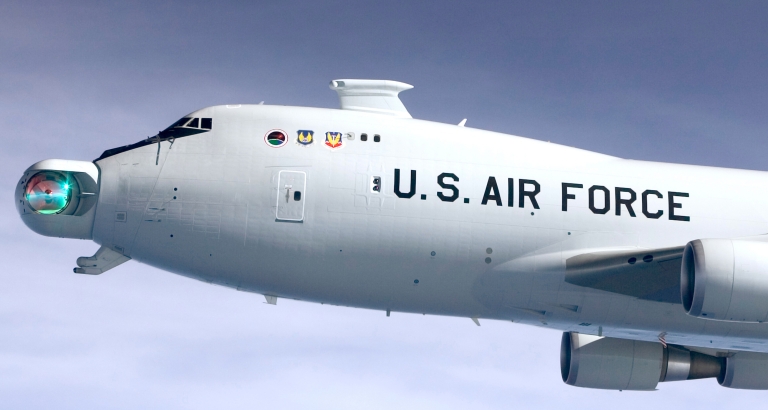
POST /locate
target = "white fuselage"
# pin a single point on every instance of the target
(208, 207)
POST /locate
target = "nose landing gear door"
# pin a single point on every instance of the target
(290, 196)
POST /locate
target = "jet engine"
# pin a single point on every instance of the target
(723, 279)
(57, 198)
(621, 364)
(745, 370)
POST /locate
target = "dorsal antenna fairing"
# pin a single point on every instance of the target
(373, 96)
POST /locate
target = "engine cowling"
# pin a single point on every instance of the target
(724, 279)
(745, 370)
(621, 364)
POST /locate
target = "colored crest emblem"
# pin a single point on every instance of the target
(305, 137)
(276, 138)
(333, 139)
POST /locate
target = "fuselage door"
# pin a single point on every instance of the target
(290, 196)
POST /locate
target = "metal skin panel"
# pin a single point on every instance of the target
(746, 370)
(725, 279)
(205, 207)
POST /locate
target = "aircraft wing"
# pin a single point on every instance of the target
(645, 274)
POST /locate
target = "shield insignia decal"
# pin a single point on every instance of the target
(305, 137)
(333, 140)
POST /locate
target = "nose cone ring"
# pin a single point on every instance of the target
(57, 198)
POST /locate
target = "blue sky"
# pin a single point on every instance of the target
(679, 81)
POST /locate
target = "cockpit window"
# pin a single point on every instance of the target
(186, 122)
(182, 128)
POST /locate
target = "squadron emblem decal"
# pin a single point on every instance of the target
(333, 140)
(276, 138)
(305, 137)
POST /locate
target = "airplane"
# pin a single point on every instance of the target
(654, 272)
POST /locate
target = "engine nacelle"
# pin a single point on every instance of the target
(745, 370)
(58, 198)
(622, 364)
(724, 279)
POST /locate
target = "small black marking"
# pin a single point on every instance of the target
(632, 260)
(466, 200)
(531, 213)
(648, 258)
(433, 253)
(416, 281)
(487, 260)
(171, 236)
(423, 197)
